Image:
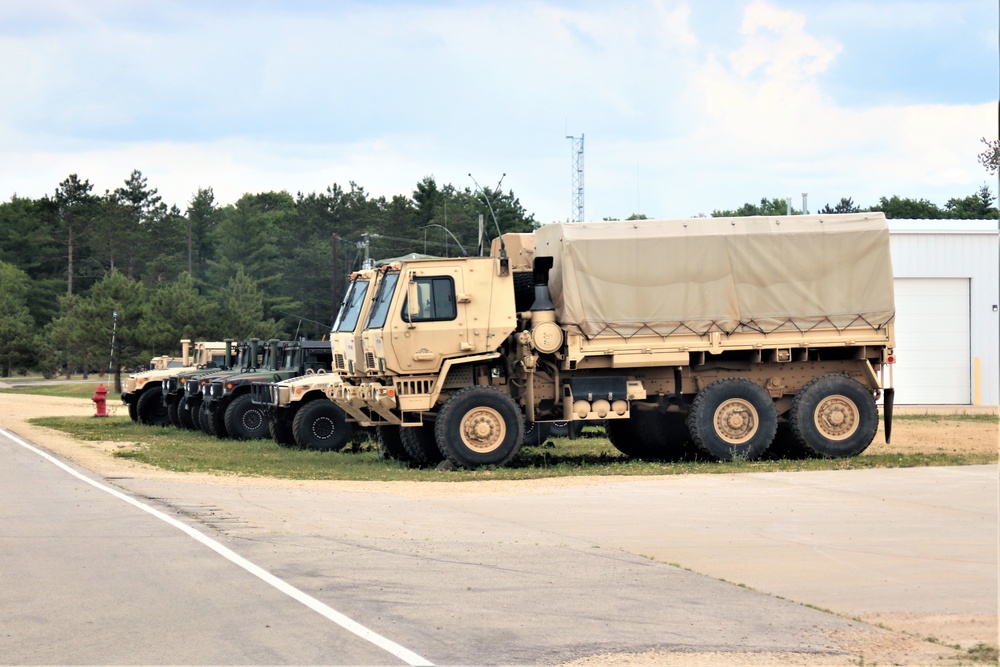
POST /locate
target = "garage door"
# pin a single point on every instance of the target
(932, 341)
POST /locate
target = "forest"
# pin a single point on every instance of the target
(94, 283)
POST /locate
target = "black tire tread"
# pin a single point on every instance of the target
(306, 416)
(235, 419)
(150, 409)
(801, 420)
(699, 419)
(452, 413)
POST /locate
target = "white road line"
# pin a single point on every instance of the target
(404, 654)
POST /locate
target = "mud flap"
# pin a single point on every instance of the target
(887, 398)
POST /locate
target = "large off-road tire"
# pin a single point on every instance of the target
(421, 445)
(479, 426)
(245, 420)
(279, 425)
(150, 408)
(186, 415)
(652, 435)
(390, 444)
(786, 446)
(173, 411)
(733, 418)
(133, 412)
(623, 437)
(834, 416)
(213, 420)
(536, 433)
(321, 425)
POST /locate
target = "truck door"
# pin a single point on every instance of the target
(436, 327)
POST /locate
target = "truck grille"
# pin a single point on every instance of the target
(370, 361)
(411, 387)
(339, 362)
(261, 393)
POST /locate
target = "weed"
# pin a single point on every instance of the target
(984, 653)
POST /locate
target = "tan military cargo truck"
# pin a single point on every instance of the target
(141, 392)
(709, 330)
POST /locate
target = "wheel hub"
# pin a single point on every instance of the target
(323, 428)
(483, 429)
(836, 417)
(736, 421)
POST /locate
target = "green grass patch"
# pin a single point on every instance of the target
(591, 454)
(975, 417)
(83, 389)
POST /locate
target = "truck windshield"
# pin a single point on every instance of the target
(381, 307)
(291, 359)
(350, 311)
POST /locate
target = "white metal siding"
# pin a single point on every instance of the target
(932, 341)
(960, 249)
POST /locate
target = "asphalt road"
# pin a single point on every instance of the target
(541, 575)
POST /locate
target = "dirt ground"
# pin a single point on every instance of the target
(904, 642)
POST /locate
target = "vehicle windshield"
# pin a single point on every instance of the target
(291, 358)
(376, 320)
(350, 311)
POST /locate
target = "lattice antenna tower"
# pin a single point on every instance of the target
(576, 177)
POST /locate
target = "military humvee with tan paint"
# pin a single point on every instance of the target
(141, 392)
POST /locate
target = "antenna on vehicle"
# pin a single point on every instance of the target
(503, 246)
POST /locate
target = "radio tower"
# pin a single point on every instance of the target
(576, 176)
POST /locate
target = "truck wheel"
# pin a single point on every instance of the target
(245, 420)
(834, 416)
(733, 418)
(623, 437)
(198, 417)
(479, 426)
(786, 446)
(421, 445)
(280, 428)
(536, 433)
(321, 425)
(133, 413)
(186, 415)
(150, 408)
(652, 435)
(390, 444)
(173, 411)
(213, 420)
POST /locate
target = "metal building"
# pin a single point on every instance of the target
(947, 282)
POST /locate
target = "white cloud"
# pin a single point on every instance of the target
(679, 118)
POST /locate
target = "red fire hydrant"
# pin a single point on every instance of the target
(100, 399)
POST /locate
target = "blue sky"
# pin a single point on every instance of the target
(685, 106)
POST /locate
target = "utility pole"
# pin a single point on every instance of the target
(576, 178)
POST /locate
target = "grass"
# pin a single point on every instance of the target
(591, 454)
(77, 389)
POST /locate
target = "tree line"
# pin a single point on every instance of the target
(78, 268)
(978, 206)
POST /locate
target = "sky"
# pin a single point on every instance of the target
(684, 106)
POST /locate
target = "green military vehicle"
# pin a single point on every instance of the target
(172, 387)
(227, 406)
(248, 357)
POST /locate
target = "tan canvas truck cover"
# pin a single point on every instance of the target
(731, 275)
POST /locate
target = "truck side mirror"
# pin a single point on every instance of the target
(412, 300)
